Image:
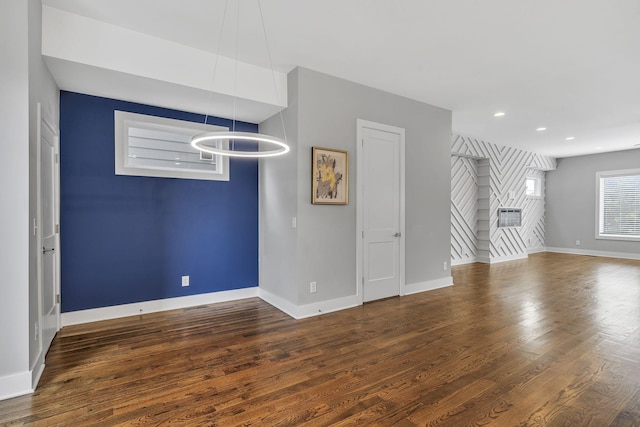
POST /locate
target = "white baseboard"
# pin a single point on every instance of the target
(606, 254)
(429, 285)
(309, 310)
(15, 385)
(37, 369)
(484, 259)
(495, 260)
(463, 261)
(535, 250)
(124, 310)
(280, 303)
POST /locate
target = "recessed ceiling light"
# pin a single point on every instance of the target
(499, 114)
(637, 145)
(599, 148)
(541, 129)
(570, 138)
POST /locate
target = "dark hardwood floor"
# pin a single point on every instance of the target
(552, 340)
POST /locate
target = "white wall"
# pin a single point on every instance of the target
(327, 110)
(14, 194)
(96, 58)
(571, 205)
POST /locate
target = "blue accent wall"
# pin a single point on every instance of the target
(128, 239)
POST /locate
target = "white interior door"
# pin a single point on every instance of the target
(49, 304)
(382, 223)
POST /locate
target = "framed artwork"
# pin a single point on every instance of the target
(330, 179)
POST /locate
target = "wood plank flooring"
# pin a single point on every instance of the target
(552, 340)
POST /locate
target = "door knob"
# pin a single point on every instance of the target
(397, 235)
(45, 250)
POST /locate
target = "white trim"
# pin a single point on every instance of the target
(537, 187)
(36, 370)
(43, 118)
(39, 238)
(360, 125)
(124, 310)
(429, 285)
(124, 120)
(618, 237)
(606, 254)
(15, 385)
(309, 310)
(609, 174)
(278, 302)
(495, 260)
(455, 262)
(57, 221)
(535, 250)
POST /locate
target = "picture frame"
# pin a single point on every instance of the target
(329, 176)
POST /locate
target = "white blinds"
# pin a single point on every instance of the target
(620, 205)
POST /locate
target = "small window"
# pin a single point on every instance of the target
(534, 187)
(160, 147)
(618, 200)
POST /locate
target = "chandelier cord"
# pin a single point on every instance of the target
(215, 64)
(231, 136)
(273, 72)
(235, 80)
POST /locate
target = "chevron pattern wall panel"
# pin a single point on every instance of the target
(507, 170)
(464, 209)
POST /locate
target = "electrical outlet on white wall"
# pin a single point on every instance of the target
(578, 242)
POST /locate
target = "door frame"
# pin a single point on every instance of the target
(43, 119)
(360, 126)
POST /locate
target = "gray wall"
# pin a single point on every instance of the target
(14, 190)
(571, 202)
(327, 110)
(25, 82)
(278, 204)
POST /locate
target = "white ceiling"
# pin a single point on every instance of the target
(572, 66)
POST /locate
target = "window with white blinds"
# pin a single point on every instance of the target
(161, 147)
(619, 205)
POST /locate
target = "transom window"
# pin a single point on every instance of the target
(160, 147)
(618, 210)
